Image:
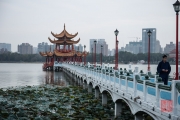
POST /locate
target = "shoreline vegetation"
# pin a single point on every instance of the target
(50, 102)
(124, 58)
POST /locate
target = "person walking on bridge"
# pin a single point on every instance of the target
(164, 69)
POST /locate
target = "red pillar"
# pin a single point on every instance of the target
(68, 47)
(84, 59)
(177, 51)
(72, 47)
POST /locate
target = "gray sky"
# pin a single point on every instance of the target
(31, 21)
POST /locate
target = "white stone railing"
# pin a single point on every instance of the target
(146, 92)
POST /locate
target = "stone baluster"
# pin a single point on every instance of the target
(136, 72)
(144, 90)
(174, 96)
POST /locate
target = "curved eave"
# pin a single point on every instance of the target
(63, 34)
(56, 41)
(57, 53)
(72, 42)
(43, 54)
(79, 54)
(50, 54)
(70, 36)
(85, 53)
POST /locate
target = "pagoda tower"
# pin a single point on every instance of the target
(64, 50)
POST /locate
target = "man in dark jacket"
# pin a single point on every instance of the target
(164, 69)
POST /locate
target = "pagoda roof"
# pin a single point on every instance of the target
(50, 53)
(46, 54)
(64, 34)
(57, 53)
(43, 54)
(72, 53)
(68, 42)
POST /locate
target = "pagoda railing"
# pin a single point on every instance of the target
(50, 64)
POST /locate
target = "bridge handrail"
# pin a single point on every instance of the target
(98, 72)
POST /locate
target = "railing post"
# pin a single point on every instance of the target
(114, 79)
(120, 82)
(144, 90)
(157, 95)
(174, 96)
(136, 72)
(126, 82)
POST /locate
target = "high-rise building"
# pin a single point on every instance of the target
(91, 44)
(25, 48)
(134, 47)
(145, 40)
(158, 48)
(121, 49)
(35, 50)
(112, 52)
(6, 46)
(169, 47)
(80, 48)
(44, 47)
(3, 50)
(109, 52)
(98, 46)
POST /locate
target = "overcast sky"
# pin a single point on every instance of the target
(31, 21)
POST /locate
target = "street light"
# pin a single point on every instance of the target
(116, 32)
(84, 55)
(176, 6)
(149, 35)
(101, 54)
(95, 53)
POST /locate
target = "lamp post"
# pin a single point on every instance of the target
(176, 6)
(84, 55)
(101, 54)
(149, 35)
(116, 32)
(95, 53)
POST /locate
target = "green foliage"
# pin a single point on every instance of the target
(16, 57)
(126, 57)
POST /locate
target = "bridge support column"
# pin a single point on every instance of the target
(104, 98)
(84, 85)
(97, 93)
(118, 108)
(81, 82)
(138, 117)
(89, 88)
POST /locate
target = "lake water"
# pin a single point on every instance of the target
(21, 74)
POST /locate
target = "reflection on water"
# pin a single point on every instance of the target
(56, 78)
(60, 78)
(21, 74)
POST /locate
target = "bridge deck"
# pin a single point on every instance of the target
(140, 92)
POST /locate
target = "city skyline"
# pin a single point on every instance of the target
(31, 22)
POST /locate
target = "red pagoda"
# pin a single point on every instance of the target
(63, 52)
